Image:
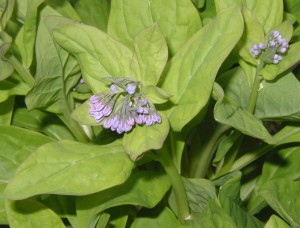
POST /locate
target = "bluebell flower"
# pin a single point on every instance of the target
(269, 51)
(123, 106)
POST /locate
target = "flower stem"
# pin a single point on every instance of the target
(255, 89)
(24, 74)
(177, 184)
(206, 154)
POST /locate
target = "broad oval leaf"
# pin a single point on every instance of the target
(48, 170)
(99, 54)
(150, 55)
(143, 188)
(191, 72)
(30, 213)
(144, 138)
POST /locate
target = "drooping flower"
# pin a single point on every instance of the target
(270, 51)
(123, 106)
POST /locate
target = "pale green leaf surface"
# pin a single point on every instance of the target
(14, 150)
(92, 168)
(81, 115)
(10, 87)
(292, 56)
(165, 218)
(288, 134)
(150, 55)
(276, 222)
(178, 20)
(144, 138)
(99, 54)
(279, 98)
(29, 213)
(191, 73)
(282, 196)
(6, 111)
(6, 69)
(156, 95)
(142, 188)
(30, 27)
(64, 7)
(253, 34)
(94, 12)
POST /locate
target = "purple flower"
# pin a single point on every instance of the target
(131, 87)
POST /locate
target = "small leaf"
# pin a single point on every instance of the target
(6, 69)
(82, 116)
(30, 213)
(12, 86)
(150, 55)
(144, 138)
(93, 168)
(276, 222)
(156, 95)
(6, 111)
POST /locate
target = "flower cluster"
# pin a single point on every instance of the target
(271, 51)
(123, 106)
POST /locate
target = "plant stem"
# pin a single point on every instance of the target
(24, 74)
(255, 88)
(206, 154)
(177, 184)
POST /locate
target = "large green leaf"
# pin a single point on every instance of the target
(268, 18)
(150, 55)
(14, 150)
(192, 71)
(143, 188)
(94, 12)
(283, 164)
(99, 54)
(57, 71)
(145, 138)
(30, 30)
(177, 19)
(165, 218)
(282, 196)
(92, 168)
(29, 213)
(64, 7)
(279, 98)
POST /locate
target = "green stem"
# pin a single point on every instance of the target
(177, 184)
(206, 154)
(25, 75)
(255, 89)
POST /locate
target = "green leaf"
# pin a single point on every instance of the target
(5, 43)
(29, 213)
(150, 55)
(57, 71)
(292, 56)
(12, 86)
(94, 12)
(144, 138)
(279, 98)
(283, 164)
(156, 95)
(42, 122)
(276, 222)
(6, 111)
(227, 112)
(81, 114)
(99, 54)
(288, 134)
(282, 196)
(165, 218)
(177, 19)
(213, 216)
(270, 18)
(64, 7)
(9, 7)
(143, 188)
(30, 30)
(253, 34)
(6, 69)
(92, 168)
(199, 61)
(14, 150)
